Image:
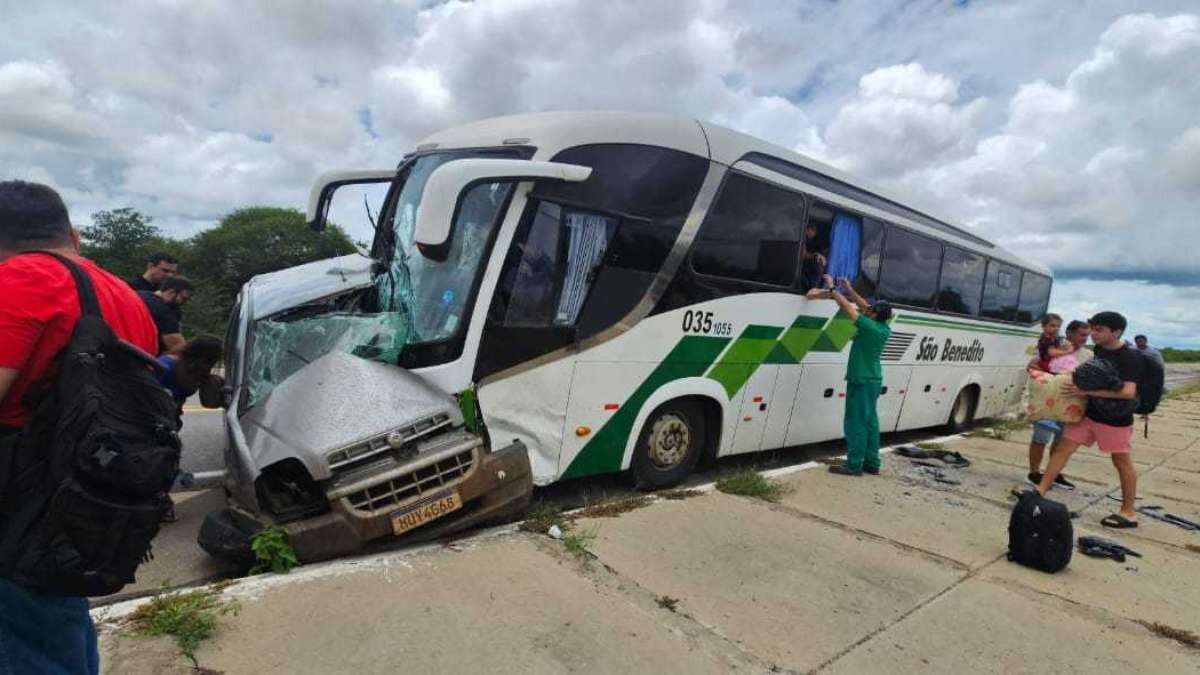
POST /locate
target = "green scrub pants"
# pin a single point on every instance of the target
(861, 425)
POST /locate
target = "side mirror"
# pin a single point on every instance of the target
(448, 183)
(321, 195)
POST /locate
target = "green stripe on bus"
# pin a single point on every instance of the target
(943, 323)
(744, 357)
(837, 334)
(690, 358)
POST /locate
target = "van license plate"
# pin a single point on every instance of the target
(403, 521)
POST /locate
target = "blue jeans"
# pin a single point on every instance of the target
(1047, 432)
(45, 634)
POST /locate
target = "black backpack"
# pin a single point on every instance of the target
(1150, 384)
(1040, 534)
(93, 465)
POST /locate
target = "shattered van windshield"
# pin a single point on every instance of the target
(416, 300)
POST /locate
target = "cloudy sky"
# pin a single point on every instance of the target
(1067, 130)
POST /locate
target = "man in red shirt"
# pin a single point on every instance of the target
(41, 633)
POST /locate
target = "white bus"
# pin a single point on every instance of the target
(627, 292)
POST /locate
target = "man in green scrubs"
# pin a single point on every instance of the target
(864, 378)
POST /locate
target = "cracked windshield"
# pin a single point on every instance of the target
(414, 300)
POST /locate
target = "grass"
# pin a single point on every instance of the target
(1185, 390)
(1184, 637)
(540, 516)
(678, 495)
(190, 617)
(576, 542)
(615, 507)
(926, 445)
(750, 483)
(1001, 429)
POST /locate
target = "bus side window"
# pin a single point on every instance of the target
(910, 268)
(870, 258)
(1035, 297)
(1001, 291)
(750, 234)
(962, 282)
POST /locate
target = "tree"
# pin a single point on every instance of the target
(248, 242)
(120, 240)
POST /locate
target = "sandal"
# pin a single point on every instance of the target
(1118, 522)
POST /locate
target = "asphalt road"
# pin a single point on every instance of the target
(203, 440)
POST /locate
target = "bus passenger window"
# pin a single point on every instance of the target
(962, 282)
(752, 233)
(871, 257)
(1001, 291)
(1035, 297)
(910, 268)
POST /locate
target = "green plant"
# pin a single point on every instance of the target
(930, 446)
(273, 552)
(750, 483)
(540, 516)
(576, 542)
(189, 617)
(1185, 390)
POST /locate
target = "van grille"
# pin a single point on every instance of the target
(427, 479)
(347, 459)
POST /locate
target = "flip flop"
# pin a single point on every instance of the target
(1118, 522)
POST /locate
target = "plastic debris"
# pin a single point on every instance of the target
(555, 532)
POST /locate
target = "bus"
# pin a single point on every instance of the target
(619, 292)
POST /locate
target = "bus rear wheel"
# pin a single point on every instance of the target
(963, 412)
(669, 446)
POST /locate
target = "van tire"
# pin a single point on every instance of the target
(962, 413)
(669, 446)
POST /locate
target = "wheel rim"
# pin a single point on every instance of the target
(670, 438)
(961, 409)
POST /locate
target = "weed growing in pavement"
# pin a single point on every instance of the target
(1184, 637)
(614, 507)
(540, 516)
(190, 617)
(1001, 429)
(273, 552)
(750, 483)
(678, 495)
(930, 446)
(576, 542)
(667, 602)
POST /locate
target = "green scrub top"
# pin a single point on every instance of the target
(866, 351)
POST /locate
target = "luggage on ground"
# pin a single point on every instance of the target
(1040, 534)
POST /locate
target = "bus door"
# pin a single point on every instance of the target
(819, 405)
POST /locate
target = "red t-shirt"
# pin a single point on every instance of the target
(38, 313)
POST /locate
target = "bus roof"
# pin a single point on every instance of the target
(552, 132)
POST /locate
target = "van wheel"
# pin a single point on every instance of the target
(963, 412)
(669, 445)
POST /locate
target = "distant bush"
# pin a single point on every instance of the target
(1171, 355)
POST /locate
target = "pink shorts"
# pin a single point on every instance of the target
(1112, 440)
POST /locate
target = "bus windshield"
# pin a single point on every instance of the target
(436, 293)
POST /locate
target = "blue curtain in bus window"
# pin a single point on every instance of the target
(845, 242)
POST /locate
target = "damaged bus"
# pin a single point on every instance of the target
(559, 295)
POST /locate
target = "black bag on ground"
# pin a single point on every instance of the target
(93, 465)
(1040, 534)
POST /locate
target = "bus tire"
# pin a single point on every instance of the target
(962, 414)
(669, 446)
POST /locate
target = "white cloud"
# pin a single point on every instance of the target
(1065, 128)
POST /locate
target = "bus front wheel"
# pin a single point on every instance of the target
(669, 446)
(963, 412)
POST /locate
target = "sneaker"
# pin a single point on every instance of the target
(1061, 482)
(843, 470)
(1034, 478)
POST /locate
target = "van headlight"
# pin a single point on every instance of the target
(287, 491)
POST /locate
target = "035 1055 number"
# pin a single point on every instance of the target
(702, 323)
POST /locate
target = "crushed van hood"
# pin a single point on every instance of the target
(335, 401)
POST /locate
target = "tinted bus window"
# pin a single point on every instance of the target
(752, 233)
(1035, 297)
(962, 282)
(872, 255)
(910, 268)
(1001, 291)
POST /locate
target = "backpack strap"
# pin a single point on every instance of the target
(88, 304)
